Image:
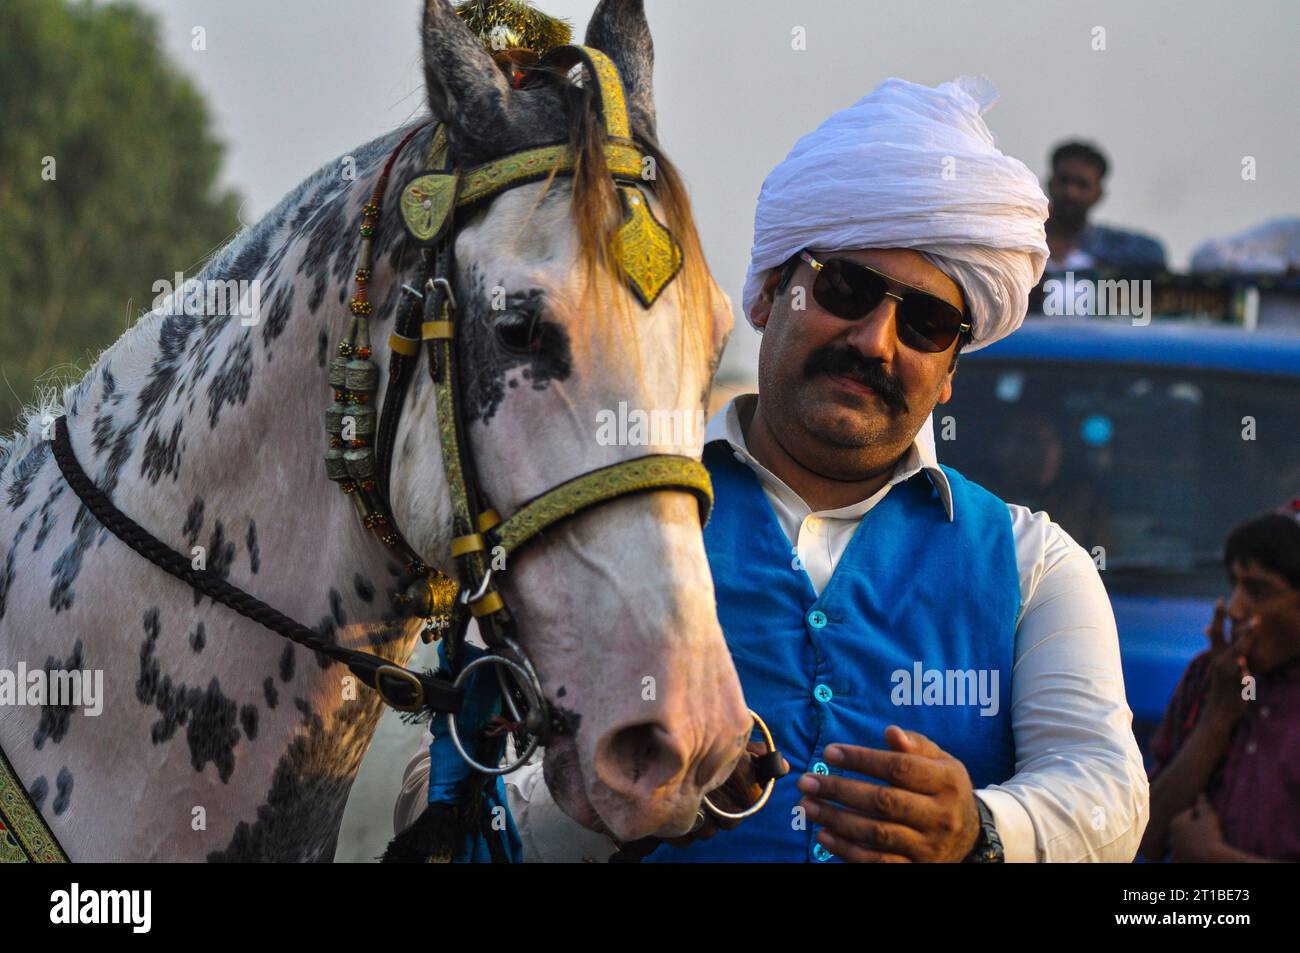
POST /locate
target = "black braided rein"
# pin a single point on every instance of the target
(439, 695)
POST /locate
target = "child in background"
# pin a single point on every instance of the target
(1225, 784)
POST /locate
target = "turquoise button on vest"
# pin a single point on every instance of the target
(916, 627)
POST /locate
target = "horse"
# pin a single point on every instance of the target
(219, 741)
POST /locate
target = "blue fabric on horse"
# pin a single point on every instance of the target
(448, 772)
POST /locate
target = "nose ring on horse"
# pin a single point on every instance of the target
(768, 764)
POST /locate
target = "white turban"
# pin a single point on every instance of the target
(912, 167)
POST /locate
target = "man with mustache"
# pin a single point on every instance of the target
(940, 668)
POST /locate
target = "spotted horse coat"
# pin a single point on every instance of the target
(217, 740)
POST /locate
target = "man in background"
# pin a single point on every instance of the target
(1074, 188)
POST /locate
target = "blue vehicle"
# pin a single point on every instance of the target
(1147, 444)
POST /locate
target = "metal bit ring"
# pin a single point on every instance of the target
(527, 685)
(767, 789)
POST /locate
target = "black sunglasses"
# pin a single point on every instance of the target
(851, 291)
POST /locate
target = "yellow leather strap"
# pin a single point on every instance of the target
(26, 837)
(487, 605)
(652, 472)
(408, 347)
(473, 543)
(604, 81)
(483, 181)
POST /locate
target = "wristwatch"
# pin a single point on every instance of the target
(988, 846)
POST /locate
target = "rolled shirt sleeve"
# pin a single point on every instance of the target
(1079, 792)
(413, 797)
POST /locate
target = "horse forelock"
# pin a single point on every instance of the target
(560, 111)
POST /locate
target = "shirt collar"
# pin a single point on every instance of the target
(725, 426)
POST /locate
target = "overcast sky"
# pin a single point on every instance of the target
(1181, 93)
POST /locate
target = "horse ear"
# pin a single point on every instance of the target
(465, 87)
(619, 29)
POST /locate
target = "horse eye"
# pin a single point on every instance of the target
(517, 331)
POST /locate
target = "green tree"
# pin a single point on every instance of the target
(108, 169)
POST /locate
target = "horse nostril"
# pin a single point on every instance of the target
(639, 757)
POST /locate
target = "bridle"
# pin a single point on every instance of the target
(360, 455)
(483, 540)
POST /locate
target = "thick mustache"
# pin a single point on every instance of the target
(846, 361)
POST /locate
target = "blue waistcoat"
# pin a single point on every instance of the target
(918, 611)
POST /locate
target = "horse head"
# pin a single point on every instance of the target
(560, 360)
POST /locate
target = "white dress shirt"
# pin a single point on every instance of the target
(1079, 792)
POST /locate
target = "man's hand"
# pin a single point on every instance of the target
(1223, 701)
(1195, 834)
(928, 815)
